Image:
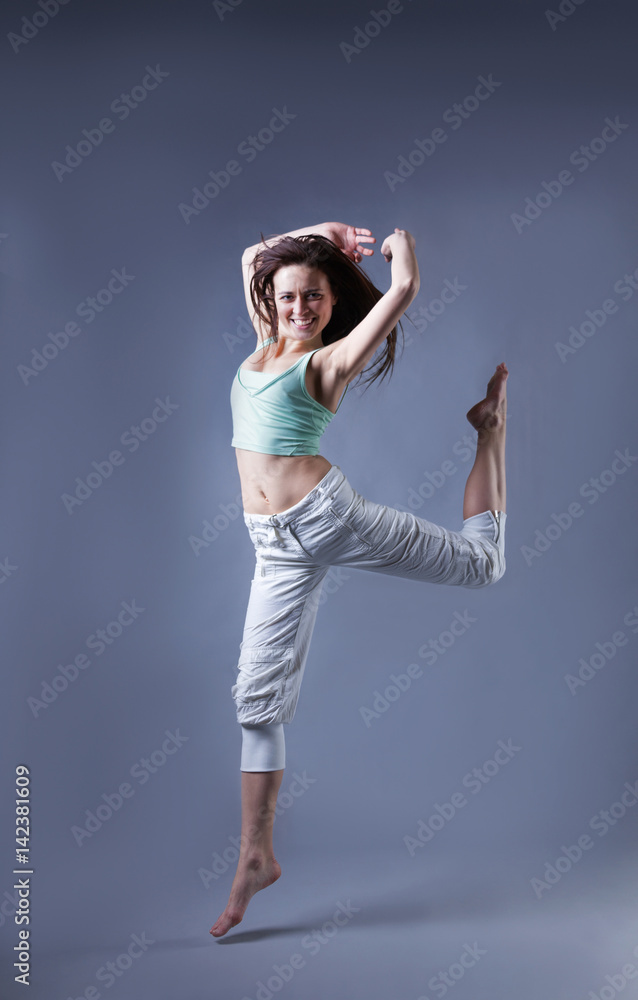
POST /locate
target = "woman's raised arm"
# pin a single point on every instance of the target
(350, 355)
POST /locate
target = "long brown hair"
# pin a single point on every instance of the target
(356, 294)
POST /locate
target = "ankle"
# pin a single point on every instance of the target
(255, 858)
(492, 432)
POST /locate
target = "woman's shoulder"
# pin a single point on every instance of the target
(256, 357)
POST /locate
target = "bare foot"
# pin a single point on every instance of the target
(490, 412)
(251, 876)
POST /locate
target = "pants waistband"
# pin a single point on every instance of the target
(326, 487)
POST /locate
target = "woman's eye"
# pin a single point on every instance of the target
(313, 294)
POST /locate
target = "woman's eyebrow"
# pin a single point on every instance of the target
(282, 292)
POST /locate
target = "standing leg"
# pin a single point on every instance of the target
(485, 487)
(280, 618)
(257, 866)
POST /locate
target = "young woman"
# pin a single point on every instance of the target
(319, 321)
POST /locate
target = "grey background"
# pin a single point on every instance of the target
(151, 867)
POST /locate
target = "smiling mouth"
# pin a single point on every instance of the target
(303, 325)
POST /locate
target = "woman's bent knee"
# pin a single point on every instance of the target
(495, 568)
(489, 570)
(488, 529)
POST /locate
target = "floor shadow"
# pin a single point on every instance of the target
(398, 907)
(263, 933)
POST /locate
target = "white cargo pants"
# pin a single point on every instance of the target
(333, 525)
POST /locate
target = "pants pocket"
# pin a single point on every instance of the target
(350, 521)
(259, 690)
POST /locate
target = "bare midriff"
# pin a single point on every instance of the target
(271, 484)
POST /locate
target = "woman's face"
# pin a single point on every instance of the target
(304, 301)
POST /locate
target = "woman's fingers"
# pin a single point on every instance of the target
(352, 240)
(362, 236)
(365, 236)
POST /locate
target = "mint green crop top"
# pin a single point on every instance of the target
(275, 414)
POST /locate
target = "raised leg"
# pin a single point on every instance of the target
(485, 487)
(257, 866)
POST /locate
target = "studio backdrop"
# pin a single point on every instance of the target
(462, 779)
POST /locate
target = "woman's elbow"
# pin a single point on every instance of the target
(408, 288)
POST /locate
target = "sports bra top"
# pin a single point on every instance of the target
(275, 414)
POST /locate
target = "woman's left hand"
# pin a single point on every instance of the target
(348, 239)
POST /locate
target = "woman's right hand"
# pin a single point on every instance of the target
(398, 248)
(399, 238)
